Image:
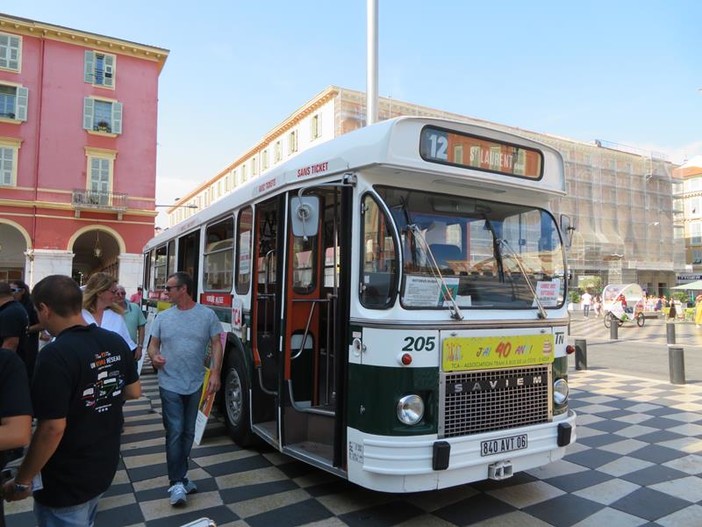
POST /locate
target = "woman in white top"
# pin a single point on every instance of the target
(100, 307)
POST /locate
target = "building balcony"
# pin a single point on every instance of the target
(99, 201)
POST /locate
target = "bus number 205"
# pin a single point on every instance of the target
(419, 344)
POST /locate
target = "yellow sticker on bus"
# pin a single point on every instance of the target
(478, 353)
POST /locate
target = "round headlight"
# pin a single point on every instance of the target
(410, 409)
(560, 391)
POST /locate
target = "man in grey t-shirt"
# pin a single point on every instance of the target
(178, 347)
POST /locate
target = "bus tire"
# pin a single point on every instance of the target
(235, 400)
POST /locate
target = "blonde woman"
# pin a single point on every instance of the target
(100, 306)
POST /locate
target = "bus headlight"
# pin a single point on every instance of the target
(560, 391)
(410, 409)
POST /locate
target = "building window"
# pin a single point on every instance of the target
(102, 116)
(254, 167)
(278, 152)
(697, 256)
(316, 128)
(10, 51)
(264, 160)
(696, 233)
(13, 102)
(100, 174)
(292, 142)
(9, 153)
(243, 173)
(99, 69)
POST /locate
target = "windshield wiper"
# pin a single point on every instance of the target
(503, 243)
(456, 313)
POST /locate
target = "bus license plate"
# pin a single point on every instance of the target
(505, 444)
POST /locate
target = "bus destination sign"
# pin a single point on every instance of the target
(448, 147)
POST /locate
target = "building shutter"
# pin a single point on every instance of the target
(117, 118)
(109, 74)
(88, 113)
(89, 67)
(22, 99)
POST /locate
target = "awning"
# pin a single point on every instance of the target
(692, 286)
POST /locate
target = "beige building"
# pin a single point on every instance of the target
(621, 199)
(688, 205)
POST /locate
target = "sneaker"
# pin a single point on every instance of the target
(190, 487)
(178, 495)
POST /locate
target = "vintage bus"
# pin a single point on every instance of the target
(393, 302)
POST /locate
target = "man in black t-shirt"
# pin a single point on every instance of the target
(13, 320)
(15, 409)
(80, 381)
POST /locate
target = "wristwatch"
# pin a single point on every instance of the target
(19, 487)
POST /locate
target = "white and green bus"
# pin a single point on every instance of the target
(394, 304)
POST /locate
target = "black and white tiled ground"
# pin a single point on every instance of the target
(638, 461)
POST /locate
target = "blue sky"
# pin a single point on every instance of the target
(626, 71)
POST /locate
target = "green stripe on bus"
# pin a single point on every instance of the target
(376, 390)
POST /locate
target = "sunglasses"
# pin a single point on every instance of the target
(169, 287)
(15, 289)
(113, 291)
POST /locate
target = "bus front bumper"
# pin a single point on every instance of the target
(413, 464)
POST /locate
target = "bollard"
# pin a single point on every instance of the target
(614, 329)
(581, 354)
(676, 364)
(670, 332)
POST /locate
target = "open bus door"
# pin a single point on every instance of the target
(316, 326)
(302, 310)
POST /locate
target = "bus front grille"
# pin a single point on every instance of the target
(484, 401)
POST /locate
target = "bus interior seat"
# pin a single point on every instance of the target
(443, 253)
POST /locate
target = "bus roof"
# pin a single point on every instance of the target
(392, 143)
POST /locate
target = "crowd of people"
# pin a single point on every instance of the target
(74, 388)
(650, 303)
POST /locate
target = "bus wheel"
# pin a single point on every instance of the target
(235, 401)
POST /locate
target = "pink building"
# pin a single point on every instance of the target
(78, 118)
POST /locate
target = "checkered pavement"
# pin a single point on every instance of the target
(637, 462)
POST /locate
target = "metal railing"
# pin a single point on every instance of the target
(99, 200)
(93, 199)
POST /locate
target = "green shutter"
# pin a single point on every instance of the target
(109, 73)
(88, 113)
(89, 67)
(21, 107)
(117, 118)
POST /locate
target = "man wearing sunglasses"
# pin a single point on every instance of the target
(178, 348)
(13, 319)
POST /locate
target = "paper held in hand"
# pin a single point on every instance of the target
(204, 408)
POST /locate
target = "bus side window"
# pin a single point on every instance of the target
(244, 226)
(218, 255)
(379, 265)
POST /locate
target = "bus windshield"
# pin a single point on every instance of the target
(474, 252)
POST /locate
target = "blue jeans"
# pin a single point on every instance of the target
(179, 414)
(82, 515)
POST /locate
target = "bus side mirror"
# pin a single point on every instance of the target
(567, 228)
(304, 215)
